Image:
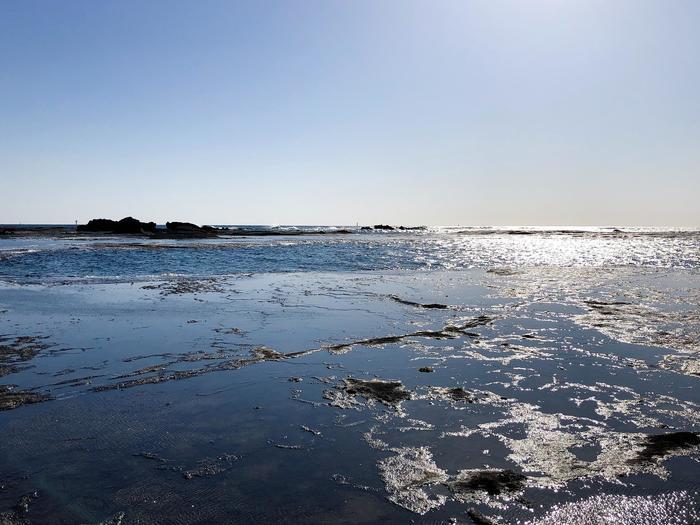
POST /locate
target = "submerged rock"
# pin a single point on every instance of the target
(660, 445)
(458, 394)
(16, 515)
(447, 332)
(479, 519)
(11, 398)
(493, 482)
(117, 519)
(387, 392)
(438, 306)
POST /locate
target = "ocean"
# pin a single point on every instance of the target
(441, 375)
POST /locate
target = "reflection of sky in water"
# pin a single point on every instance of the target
(555, 396)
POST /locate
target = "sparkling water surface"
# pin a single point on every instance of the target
(450, 375)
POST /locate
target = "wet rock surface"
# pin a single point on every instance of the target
(437, 306)
(660, 445)
(11, 397)
(387, 392)
(493, 482)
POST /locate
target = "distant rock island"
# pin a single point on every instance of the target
(179, 230)
(131, 226)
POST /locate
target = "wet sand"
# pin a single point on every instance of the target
(550, 395)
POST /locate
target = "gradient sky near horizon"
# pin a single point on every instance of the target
(489, 112)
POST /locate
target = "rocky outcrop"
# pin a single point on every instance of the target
(125, 226)
(187, 229)
(383, 227)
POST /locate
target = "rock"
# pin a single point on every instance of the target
(426, 369)
(387, 392)
(659, 445)
(438, 306)
(11, 398)
(187, 229)
(479, 519)
(383, 227)
(493, 482)
(124, 226)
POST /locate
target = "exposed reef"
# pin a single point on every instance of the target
(437, 306)
(493, 482)
(10, 398)
(661, 445)
(447, 332)
(387, 392)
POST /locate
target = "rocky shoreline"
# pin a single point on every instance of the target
(129, 226)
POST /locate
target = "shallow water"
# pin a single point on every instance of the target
(428, 376)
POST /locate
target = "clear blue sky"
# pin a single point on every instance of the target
(336, 112)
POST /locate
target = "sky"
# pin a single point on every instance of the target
(435, 112)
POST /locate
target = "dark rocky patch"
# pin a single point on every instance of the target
(502, 271)
(285, 446)
(262, 353)
(660, 445)
(25, 501)
(189, 230)
(211, 467)
(383, 227)
(185, 286)
(16, 516)
(493, 482)
(151, 456)
(310, 430)
(205, 468)
(11, 398)
(448, 332)
(458, 393)
(387, 392)
(163, 374)
(117, 519)
(375, 341)
(15, 352)
(426, 369)
(599, 304)
(479, 519)
(128, 225)
(438, 306)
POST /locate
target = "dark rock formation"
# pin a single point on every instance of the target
(387, 392)
(187, 229)
(124, 226)
(658, 446)
(438, 306)
(11, 398)
(493, 482)
(383, 227)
